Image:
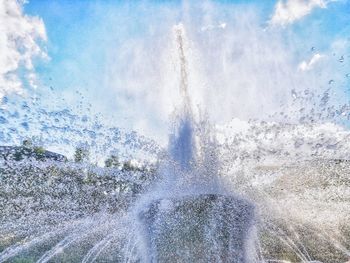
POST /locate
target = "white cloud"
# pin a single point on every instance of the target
(19, 35)
(221, 25)
(305, 66)
(287, 12)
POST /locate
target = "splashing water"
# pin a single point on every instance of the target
(187, 217)
(192, 205)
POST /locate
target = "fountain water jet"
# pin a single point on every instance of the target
(192, 219)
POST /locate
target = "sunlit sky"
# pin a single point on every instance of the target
(105, 53)
(81, 32)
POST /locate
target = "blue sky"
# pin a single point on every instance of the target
(245, 57)
(75, 26)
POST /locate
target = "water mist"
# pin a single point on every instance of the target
(270, 185)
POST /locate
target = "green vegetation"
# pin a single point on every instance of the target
(28, 150)
(112, 161)
(35, 194)
(81, 154)
(76, 189)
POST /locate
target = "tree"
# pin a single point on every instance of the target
(128, 166)
(27, 143)
(39, 153)
(112, 161)
(81, 154)
(29, 150)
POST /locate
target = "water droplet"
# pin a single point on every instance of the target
(294, 94)
(25, 106)
(313, 48)
(3, 120)
(324, 99)
(330, 81)
(4, 100)
(25, 125)
(299, 142)
(347, 75)
(341, 60)
(318, 145)
(15, 115)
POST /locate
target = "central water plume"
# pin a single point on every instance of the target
(188, 218)
(181, 142)
(192, 144)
